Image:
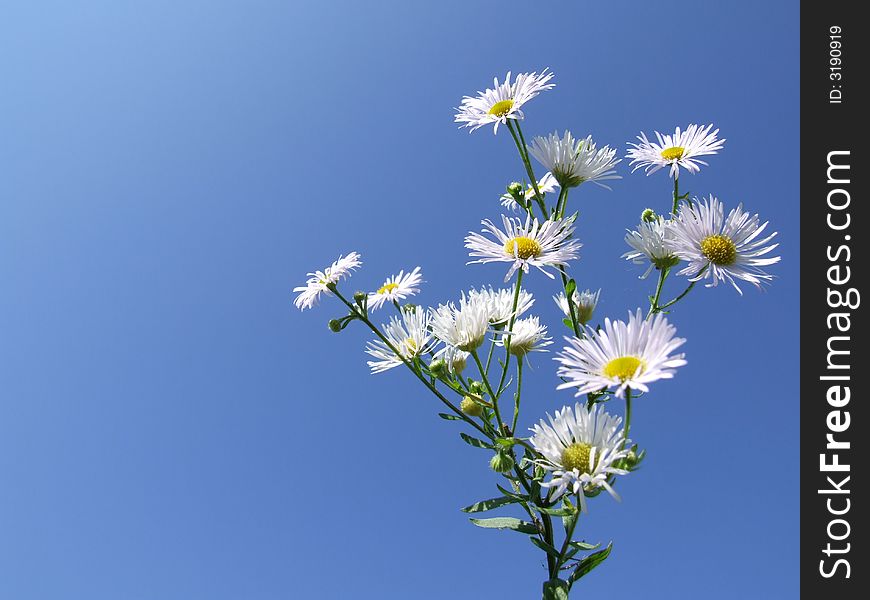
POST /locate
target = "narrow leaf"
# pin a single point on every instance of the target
(590, 562)
(545, 547)
(506, 442)
(489, 504)
(448, 417)
(473, 441)
(570, 288)
(584, 545)
(506, 523)
(518, 497)
(555, 512)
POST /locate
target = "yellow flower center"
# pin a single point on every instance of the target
(522, 247)
(674, 153)
(411, 346)
(387, 288)
(500, 109)
(623, 367)
(576, 456)
(719, 249)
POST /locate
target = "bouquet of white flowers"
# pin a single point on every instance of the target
(470, 353)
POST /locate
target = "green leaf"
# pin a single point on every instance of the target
(473, 441)
(555, 512)
(590, 562)
(570, 288)
(545, 547)
(584, 545)
(489, 504)
(506, 442)
(519, 497)
(556, 589)
(506, 523)
(568, 323)
(448, 417)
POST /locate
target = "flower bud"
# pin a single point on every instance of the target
(438, 367)
(501, 462)
(476, 387)
(360, 297)
(470, 407)
(334, 325)
(515, 188)
(648, 215)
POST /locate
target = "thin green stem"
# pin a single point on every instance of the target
(408, 364)
(627, 428)
(517, 396)
(491, 348)
(654, 305)
(488, 387)
(524, 155)
(506, 337)
(678, 298)
(568, 535)
(561, 203)
(676, 195)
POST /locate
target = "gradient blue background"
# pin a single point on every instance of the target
(171, 427)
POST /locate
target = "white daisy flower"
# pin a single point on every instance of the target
(409, 335)
(651, 245)
(546, 185)
(539, 245)
(464, 327)
(622, 355)
(500, 303)
(527, 335)
(574, 161)
(584, 304)
(722, 248)
(455, 358)
(678, 150)
(581, 447)
(319, 281)
(398, 287)
(503, 102)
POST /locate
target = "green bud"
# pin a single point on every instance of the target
(438, 367)
(360, 297)
(648, 215)
(665, 262)
(470, 407)
(334, 325)
(501, 462)
(515, 188)
(476, 387)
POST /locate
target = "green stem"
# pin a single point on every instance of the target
(488, 387)
(408, 364)
(676, 195)
(519, 390)
(678, 298)
(524, 155)
(627, 428)
(568, 535)
(654, 305)
(491, 348)
(561, 203)
(506, 337)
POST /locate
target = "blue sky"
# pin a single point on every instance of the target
(171, 427)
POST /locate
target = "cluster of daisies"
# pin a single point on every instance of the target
(582, 447)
